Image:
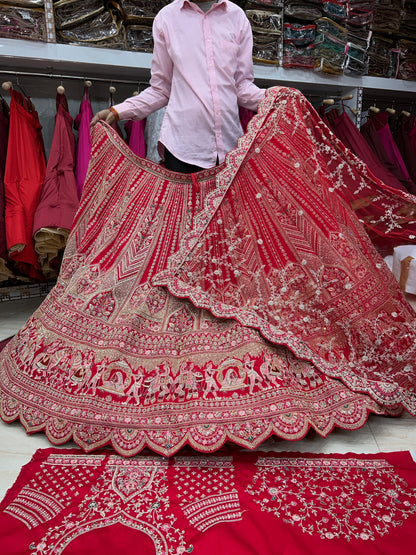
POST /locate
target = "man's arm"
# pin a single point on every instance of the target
(154, 97)
(248, 94)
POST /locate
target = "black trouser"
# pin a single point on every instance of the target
(174, 164)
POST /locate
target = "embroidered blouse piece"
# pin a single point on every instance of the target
(239, 302)
(65, 501)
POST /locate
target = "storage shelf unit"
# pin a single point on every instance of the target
(90, 62)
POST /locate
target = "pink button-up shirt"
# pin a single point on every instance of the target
(202, 70)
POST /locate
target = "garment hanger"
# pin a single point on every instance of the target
(7, 85)
(139, 89)
(111, 90)
(60, 89)
(348, 97)
(373, 108)
(340, 100)
(406, 112)
(19, 86)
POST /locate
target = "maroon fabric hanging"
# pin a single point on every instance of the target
(369, 130)
(347, 132)
(403, 137)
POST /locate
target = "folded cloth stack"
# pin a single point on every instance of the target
(407, 64)
(299, 45)
(266, 26)
(23, 20)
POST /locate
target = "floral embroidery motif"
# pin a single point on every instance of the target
(101, 306)
(181, 320)
(335, 498)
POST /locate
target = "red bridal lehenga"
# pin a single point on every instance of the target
(237, 303)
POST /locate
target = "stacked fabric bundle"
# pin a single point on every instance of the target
(383, 57)
(330, 46)
(24, 19)
(343, 37)
(126, 24)
(266, 20)
(393, 45)
(408, 19)
(89, 23)
(328, 36)
(358, 23)
(407, 65)
(387, 16)
(299, 33)
(138, 16)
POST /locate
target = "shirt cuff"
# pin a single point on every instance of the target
(114, 112)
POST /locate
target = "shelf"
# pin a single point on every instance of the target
(72, 59)
(93, 62)
(316, 80)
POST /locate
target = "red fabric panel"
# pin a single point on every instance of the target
(228, 503)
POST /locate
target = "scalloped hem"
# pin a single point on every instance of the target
(205, 438)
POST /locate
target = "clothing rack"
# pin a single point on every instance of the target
(61, 76)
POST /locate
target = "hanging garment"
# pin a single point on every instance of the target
(369, 130)
(135, 136)
(24, 175)
(83, 149)
(402, 137)
(383, 129)
(151, 135)
(245, 116)
(5, 272)
(295, 320)
(229, 503)
(59, 199)
(115, 125)
(350, 136)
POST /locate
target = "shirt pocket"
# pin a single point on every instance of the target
(228, 53)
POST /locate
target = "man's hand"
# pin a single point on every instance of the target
(104, 115)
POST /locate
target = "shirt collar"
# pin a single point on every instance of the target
(219, 2)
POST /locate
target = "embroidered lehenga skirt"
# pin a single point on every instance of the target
(233, 304)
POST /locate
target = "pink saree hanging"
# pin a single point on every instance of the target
(83, 146)
(294, 322)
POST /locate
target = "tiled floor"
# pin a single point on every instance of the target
(379, 434)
